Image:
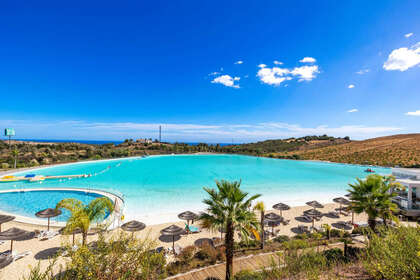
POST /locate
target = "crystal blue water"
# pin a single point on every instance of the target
(28, 203)
(156, 188)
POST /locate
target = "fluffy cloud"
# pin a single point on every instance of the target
(362, 71)
(308, 59)
(273, 76)
(408, 35)
(305, 73)
(351, 86)
(226, 80)
(352, 111)
(239, 62)
(415, 113)
(184, 131)
(276, 62)
(403, 58)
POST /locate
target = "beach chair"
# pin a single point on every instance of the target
(286, 222)
(191, 229)
(47, 235)
(18, 256)
(2, 242)
(177, 249)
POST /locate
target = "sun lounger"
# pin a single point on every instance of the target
(47, 235)
(2, 242)
(21, 255)
(286, 222)
(177, 249)
(191, 229)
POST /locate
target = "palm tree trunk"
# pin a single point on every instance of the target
(229, 243)
(262, 230)
(372, 223)
(84, 235)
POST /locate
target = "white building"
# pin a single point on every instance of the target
(409, 199)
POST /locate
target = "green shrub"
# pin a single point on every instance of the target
(281, 238)
(334, 255)
(186, 254)
(248, 275)
(394, 253)
(118, 258)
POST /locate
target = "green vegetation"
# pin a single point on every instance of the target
(373, 196)
(117, 258)
(260, 206)
(83, 215)
(228, 207)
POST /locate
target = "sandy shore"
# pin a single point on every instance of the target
(41, 250)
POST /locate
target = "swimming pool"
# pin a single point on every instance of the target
(29, 202)
(157, 188)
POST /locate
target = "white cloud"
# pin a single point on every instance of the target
(276, 62)
(239, 62)
(308, 59)
(184, 131)
(415, 113)
(403, 58)
(214, 73)
(276, 75)
(408, 35)
(362, 71)
(226, 80)
(351, 86)
(273, 76)
(352, 111)
(305, 73)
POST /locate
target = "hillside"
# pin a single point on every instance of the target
(402, 150)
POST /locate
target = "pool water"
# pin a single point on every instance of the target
(30, 202)
(157, 188)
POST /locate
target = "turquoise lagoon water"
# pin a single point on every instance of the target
(28, 203)
(157, 188)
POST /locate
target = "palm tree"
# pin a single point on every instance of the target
(260, 206)
(228, 206)
(327, 228)
(373, 196)
(83, 215)
(15, 154)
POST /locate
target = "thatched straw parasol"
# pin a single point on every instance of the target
(273, 219)
(133, 226)
(63, 231)
(188, 216)
(281, 207)
(5, 219)
(5, 260)
(314, 204)
(48, 213)
(13, 234)
(312, 213)
(173, 231)
(341, 201)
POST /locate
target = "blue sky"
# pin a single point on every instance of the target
(209, 70)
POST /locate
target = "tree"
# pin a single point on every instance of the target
(260, 206)
(15, 154)
(373, 196)
(327, 228)
(83, 215)
(228, 206)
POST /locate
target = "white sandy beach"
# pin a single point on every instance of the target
(41, 250)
